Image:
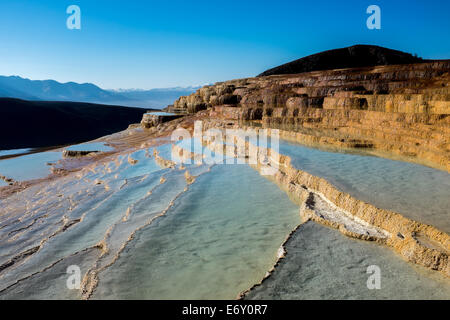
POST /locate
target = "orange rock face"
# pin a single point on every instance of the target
(401, 110)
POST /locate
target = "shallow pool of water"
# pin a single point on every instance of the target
(161, 113)
(36, 165)
(13, 152)
(91, 146)
(220, 238)
(417, 192)
(29, 167)
(321, 263)
(217, 238)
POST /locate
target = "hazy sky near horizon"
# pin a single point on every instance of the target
(155, 44)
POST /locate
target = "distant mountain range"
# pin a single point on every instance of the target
(50, 90)
(153, 98)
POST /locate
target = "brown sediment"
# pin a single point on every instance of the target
(189, 179)
(150, 120)
(164, 163)
(186, 156)
(77, 154)
(7, 180)
(132, 161)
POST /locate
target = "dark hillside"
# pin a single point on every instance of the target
(350, 57)
(31, 124)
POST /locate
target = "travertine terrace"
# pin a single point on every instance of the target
(395, 111)
(400, 111)
(323, 203)
(91, 210)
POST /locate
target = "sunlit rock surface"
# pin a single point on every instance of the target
(401, 109)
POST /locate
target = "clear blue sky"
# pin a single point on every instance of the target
(148, 44)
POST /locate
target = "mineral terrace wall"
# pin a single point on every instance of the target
(402, 110)
(414, 241)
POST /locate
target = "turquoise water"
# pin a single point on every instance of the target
(418, 192)
(35, 166)
(209, 240)
(322, 264)
(161, 113)
(233, 233)
(13, 152)
(92, 146)
(91, 207)
(29, 167)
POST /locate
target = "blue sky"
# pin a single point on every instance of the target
(154, 44)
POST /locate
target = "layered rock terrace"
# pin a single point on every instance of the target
(398, 111)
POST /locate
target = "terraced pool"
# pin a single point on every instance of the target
(137, 230)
